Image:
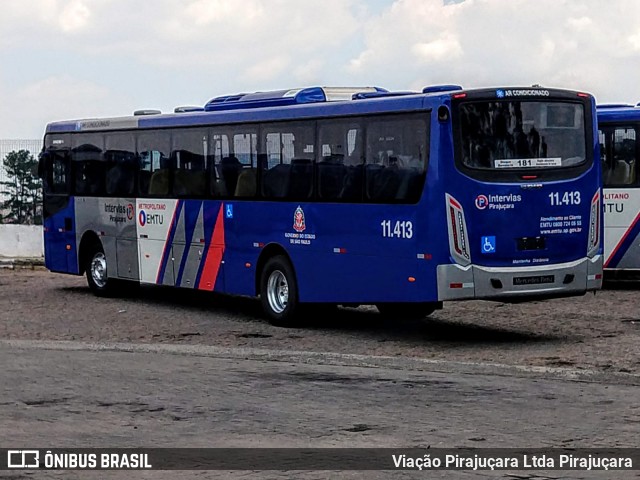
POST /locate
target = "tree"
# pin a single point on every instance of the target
(23, 189)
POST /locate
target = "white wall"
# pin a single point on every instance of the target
(19, 241)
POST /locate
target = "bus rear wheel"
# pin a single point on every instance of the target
(97, 272)
(412, 311)
(279, 292)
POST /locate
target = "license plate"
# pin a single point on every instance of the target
(537, 280)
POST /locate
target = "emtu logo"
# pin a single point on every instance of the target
(482, 202)
(142, 218)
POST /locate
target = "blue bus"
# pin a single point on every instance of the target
(335, 196)
(618, 129)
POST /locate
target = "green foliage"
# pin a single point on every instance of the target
(22, 189)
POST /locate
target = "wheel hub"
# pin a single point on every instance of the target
(99, 269)
(277, 291)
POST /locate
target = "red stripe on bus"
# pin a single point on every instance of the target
(213, 257)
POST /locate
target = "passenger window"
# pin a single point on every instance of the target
(121, 164)
(396, 158)
(155, 164)
(618, 153)
(219, 146)
(57, 180)
(121, 171)
(288, 151)
(88, 164)
(234, 152)
(340, 166)
(191, 160)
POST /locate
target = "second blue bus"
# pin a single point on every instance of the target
(619, 126)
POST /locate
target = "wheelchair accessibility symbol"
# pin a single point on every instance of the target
(488, 244)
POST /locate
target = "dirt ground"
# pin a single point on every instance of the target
(597, 332)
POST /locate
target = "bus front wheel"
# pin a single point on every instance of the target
(412, 311)
(279, 292)
(96, 271)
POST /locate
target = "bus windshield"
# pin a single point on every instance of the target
(522, 134)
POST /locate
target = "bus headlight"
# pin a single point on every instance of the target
(594, 225)
(458, 237)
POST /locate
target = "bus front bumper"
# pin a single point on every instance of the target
(456, 282)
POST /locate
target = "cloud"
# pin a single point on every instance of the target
(34, 105)
(446, 47)
(268, 69)
(89, 57)
(75, 16)
(212, 12)
(582, 23)
(493, 42)
(310, 72)
(634, 40)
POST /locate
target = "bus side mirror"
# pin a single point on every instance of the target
(42, 159)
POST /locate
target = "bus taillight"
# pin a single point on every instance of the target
(594, 225)
(457, 226)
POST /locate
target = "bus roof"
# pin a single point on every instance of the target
(618, 112)
(291, 104)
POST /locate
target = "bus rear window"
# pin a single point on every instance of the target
(507, 135)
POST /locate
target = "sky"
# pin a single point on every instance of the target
(71, 59)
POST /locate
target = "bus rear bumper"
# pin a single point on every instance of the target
(456, 282)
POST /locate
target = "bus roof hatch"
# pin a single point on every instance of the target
(279, 98)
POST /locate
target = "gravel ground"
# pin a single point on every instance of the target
(597, 332)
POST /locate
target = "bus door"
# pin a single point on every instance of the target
(156, 226)
(58, 209)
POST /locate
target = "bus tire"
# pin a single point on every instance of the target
(97, 274)
(279, 292)
(411, 311)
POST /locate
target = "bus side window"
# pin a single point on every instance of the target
(339, 167)
(301, 181)
(622, 170)
(190, 156)
(87, 163)
(383, 183)
(353, 184)
(219, 148)
(155, 163)
(228, 171)
(287, 154)
(396, 158)
(160, 168)
(144, 173)
(275, 181)
(247, 183)
(190, 176)
(57, 179)
(90, 178)
(331, 177)
(89, 170)
(120, 178)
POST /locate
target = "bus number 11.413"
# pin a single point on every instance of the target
(569, 198)
(400, 229)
